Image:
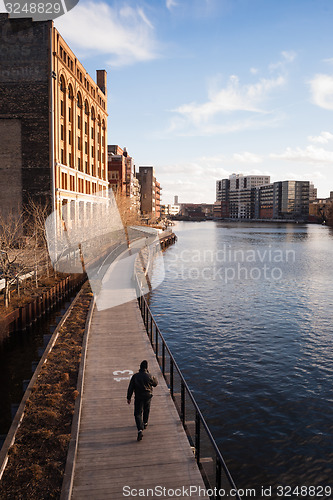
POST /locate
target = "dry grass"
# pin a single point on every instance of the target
(38, 457)
(28, 291)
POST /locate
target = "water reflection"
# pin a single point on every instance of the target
(257, 352)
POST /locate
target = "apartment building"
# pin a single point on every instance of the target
(53, 122)
(254, 197)
(241, 193)
(150, 192)
(122, 175)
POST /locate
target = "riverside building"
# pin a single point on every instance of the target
(254, 197)
(122, 175)
(150, 193)
(53, 122)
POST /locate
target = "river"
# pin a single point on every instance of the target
(247, 310)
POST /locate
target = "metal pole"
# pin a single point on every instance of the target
(197, 437)
(171, 377)
(156, 342)
(163, 359)
(218, 478)
(182, 404)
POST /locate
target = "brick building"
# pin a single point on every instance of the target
(53, 121)
(150, 192)
(122, 175)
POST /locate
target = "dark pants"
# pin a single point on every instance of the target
(141, 409)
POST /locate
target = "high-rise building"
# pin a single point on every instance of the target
(294, 199)
(53, 121)
(242, 194)
(312, 192)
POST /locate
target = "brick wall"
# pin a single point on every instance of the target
(24, 108)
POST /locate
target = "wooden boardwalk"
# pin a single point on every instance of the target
(110, 461)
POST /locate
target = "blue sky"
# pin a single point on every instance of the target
(204, 88)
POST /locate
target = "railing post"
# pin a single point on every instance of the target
(163, 359)
(156, 342)
(197, 437)
(171, 377)
(152, 334)
(182, 403)
(218, 478)
(151, 328)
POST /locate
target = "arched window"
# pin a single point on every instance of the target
(86, 107)
(62, 84)
(92, 113)
(79, 100)
(70, 91)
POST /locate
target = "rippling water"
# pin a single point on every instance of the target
(255, 343)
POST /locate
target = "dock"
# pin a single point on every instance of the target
(110, 463)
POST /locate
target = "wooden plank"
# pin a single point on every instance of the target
(109, 456)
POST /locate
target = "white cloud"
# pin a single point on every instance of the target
(170, 4)
(310, 154)
(247, 157)
(323, 138)
(125, 35)
(248, 100)
(183, 126)
(287, 58)
(234, 97)
(322, 91)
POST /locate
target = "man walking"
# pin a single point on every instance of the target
(141, 384)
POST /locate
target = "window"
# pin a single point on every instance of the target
(62, 156)
(79, 122)
(69, 137)
(79, 143)
(86, 148)
(64, 180)
(86, 128)
(72, 182)
(79, 163)
(92, 151)
(70, 114)
(70, 159)
(62, 84)
(62, 132)
(62, 108)
(86, 167)
(92, 132)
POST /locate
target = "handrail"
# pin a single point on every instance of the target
(215, 483)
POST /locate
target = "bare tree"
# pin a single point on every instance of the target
(12, 243)
(36, 215)
(128, 213)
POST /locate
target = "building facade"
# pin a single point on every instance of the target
(150, 192)
(53, 121)
(122, 175)
(242, 195)
(254, 197)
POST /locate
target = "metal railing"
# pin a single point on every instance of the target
(214, 471)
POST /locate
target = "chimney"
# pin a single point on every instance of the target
(101, 80)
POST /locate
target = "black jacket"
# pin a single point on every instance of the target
(141, 384)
